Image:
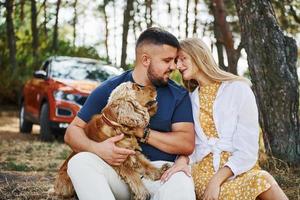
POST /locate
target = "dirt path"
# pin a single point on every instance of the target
(9, 128)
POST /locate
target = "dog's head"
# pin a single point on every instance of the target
(135, 103)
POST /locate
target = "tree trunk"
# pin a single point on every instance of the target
(138, 11)
(126, 19)
(74, 21)
(294, 14)
(187, 18)
(22, 3)
(224, 36)
(45, 18)
(11, 38)
(35, 33)
(219, 46)
(102, 9)
(55, 31)
(106, 33)
(135, 22)
(178, 19)
(272, 60)
(170, 17)
(148, 13)
(115, 32)
(196, 18)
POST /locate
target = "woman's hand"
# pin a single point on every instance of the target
(212, 191)
(181, 164)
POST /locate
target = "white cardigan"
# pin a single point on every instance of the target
(236, 119)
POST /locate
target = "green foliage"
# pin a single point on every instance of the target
(16, 166)
(176, 76)
(128, 66)
(287, 13)
(64, 154)
(9, 86)
(11, 80)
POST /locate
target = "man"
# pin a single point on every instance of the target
(171, 128)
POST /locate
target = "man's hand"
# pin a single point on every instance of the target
(109, 152)
(139, 132)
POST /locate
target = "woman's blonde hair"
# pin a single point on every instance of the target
(203, 59)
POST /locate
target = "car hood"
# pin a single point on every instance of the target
(84, 86)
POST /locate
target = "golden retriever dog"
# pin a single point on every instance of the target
(128, 111)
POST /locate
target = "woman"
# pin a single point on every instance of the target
(227, 131)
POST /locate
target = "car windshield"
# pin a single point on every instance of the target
(76, 69)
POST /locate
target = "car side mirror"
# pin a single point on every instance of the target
(40, 74)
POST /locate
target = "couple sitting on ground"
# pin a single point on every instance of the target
(209, 135)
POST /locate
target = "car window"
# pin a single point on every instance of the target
(82, 70)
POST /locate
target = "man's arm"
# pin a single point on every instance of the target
(75, 136)
(180, 141)
(107, 150)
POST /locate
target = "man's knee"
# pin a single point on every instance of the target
(81, 161)
(184, 182)
(179, 186)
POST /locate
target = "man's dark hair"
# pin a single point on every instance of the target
(158, 36)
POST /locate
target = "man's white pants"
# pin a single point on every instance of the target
(94, 179)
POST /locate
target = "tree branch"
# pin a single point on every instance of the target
(240, 47)
(294, 14)
(41, 7)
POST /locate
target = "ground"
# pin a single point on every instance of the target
(28, 166)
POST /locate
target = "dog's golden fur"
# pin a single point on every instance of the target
(128, 111)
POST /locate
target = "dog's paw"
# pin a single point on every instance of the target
(142, 196)
(140, 192)
(164, 168)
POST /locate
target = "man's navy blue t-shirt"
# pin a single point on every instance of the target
(174, 106)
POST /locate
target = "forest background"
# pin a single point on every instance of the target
(256, 39)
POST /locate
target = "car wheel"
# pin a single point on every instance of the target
(25, 126)
(45, 129)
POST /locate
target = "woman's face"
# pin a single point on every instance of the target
(186, 67)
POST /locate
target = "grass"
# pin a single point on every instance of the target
(28, 168)
(287, 177)
(12, 166)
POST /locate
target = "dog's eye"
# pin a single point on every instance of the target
(150, 103)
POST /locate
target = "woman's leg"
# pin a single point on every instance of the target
(274, 192)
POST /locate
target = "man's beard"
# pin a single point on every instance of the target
(155, 80)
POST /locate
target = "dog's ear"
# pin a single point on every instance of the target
(92, 128)
(132, 114)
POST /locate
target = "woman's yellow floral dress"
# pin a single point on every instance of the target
(245, 186)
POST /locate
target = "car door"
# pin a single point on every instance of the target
(37, 90)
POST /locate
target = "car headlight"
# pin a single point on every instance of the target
(61, 95)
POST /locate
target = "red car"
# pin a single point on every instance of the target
(57, 91)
